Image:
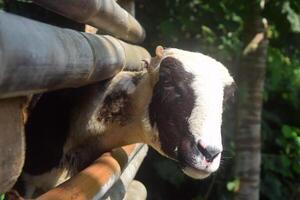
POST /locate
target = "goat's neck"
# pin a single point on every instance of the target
(107, 136)
(138, 131)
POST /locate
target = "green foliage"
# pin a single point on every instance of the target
(283, 167)
(2, 196)
(216, 28)
(292, 16)
(233, 186)
(281, 119)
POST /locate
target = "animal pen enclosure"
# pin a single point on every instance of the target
(37, 57)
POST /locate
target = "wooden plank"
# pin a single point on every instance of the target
(106, 15)
(12, 143)
(37, 57)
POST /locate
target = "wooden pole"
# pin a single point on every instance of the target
(12, 143)
(37, 57)
(106, 15)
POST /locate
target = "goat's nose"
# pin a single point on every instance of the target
(209, 152)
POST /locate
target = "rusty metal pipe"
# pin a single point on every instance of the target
(106, 15)
(119, 189)
(36, 57)
(95, 181)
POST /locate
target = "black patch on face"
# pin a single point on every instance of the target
(171, 105)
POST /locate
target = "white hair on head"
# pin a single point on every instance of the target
(209, 79)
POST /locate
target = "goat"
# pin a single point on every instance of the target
(175, 105)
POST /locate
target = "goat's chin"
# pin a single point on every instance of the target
(195, 173)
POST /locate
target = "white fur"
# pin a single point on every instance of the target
(210, 78)
(44, 181)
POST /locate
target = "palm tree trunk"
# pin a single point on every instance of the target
(251, 74)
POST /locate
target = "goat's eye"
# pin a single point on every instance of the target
(170, 93)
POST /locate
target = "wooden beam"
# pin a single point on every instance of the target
(37, 57)
(12, 143)
(106, 15)
(94, 181)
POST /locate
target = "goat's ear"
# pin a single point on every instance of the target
(117, 105)
(153, 67)
(159, 51)
(153, 70)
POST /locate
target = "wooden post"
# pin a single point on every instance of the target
(12, 143)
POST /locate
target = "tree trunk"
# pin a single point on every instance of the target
(251, 74)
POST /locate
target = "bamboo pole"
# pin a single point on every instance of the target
(94, 181)
(106, 15)
(37, 57)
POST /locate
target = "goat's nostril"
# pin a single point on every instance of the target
(209, 152)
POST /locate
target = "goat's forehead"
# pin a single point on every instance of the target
(203, 68)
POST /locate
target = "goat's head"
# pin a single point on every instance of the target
(186, 109)
(180, 101)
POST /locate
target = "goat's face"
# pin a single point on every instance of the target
(186, 109)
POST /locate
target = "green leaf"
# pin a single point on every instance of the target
(285, 162)
(2, 196)
(233, 186)
(271, 187)
(292, 17)
(297, 140)
(208, 34)
(288, 132)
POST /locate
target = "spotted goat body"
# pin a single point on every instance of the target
(175, 105)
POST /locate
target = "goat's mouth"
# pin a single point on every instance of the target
(195, 173)
(198, 168)
(197, 162)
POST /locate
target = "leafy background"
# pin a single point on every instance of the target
(216, 28)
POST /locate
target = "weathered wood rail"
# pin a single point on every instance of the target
(36, 57)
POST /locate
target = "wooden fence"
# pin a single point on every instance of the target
(36, 57)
